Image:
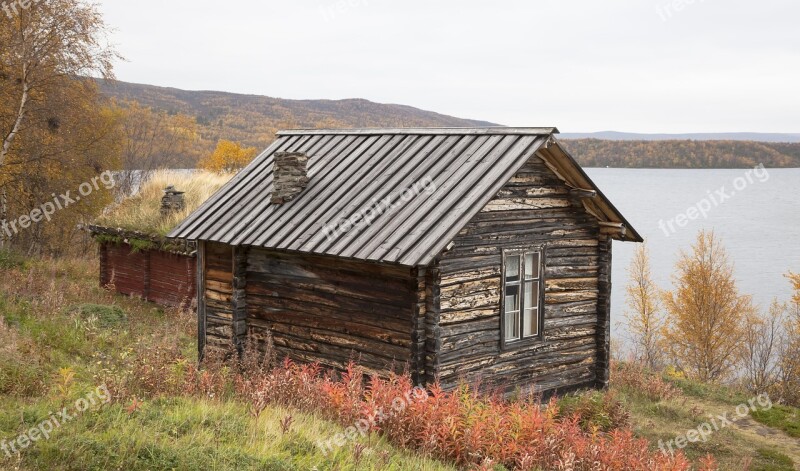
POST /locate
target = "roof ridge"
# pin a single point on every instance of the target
(442, 131)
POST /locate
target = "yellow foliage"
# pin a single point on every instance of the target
(706, 318)
(794, 278)
(643, 319)
(228, 157)
(673, 372)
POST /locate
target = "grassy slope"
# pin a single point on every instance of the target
(44, 332)
(746, 442)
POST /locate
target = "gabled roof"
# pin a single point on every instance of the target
(418, 187)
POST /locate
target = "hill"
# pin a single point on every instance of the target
(706, 136)
(253, 119)
(683, 154)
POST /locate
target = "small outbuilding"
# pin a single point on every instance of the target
(459, 254)
(135, 257)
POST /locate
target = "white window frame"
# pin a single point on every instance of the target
(525, 282)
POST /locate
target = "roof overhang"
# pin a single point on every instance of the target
(612, 222)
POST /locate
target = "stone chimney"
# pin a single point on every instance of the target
(290, 176)
(172, 201)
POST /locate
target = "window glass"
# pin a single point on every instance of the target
(532, 266)
(512, 269)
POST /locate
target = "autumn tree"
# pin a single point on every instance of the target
(762, 342)
(55, 132)
(44, 47)
(794, 279)
(706, 313)
(643, 317)
(228, 157)
(152, 140)
(790, 352)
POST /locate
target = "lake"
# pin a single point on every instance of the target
(755, 214)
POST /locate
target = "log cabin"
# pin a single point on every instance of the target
(480, 255)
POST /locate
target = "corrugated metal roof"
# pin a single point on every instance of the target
(409, 192)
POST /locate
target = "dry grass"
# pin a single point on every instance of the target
(142, 211)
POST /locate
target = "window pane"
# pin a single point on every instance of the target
(512, 326)
(512, 298)
(531, 294)
(512, 269)
(531, 327)
(532, 265)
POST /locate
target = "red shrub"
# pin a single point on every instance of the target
(473, 430)
(469, 429)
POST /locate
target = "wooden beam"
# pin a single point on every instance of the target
(581, 193)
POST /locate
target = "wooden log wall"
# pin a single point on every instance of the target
(534, 208)
(218, 296)
(331, 311)
(157, 276)
(604, 314)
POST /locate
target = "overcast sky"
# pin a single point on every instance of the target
(581, 65)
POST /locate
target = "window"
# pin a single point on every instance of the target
(522, 295)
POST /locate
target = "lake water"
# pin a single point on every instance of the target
(756, 215)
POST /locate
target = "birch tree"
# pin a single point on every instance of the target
(706, 312)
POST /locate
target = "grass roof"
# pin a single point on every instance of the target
(142, 212)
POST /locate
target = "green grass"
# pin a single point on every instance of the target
(780, 417)
(709, 392)
(773, 461)
(731, 446)
(190, 434)
(61, 336)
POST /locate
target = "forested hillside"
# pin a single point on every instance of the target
(202, 118)
(252, 120)
(683, 154)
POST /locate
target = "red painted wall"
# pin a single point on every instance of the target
(160, 277)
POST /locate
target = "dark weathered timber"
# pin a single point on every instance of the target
(217, 293)
(201, 301)
(433, 333)
(604, 315)
(535, 208)
(332, 311)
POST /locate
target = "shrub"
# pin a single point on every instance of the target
(635, 379)
(595, 411)
(470, 429)
(102, 316)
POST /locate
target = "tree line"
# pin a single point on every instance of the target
(706, 329)
(683, 154)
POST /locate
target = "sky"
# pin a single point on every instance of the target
(670, 66)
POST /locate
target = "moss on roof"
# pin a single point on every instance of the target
(142, 212)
